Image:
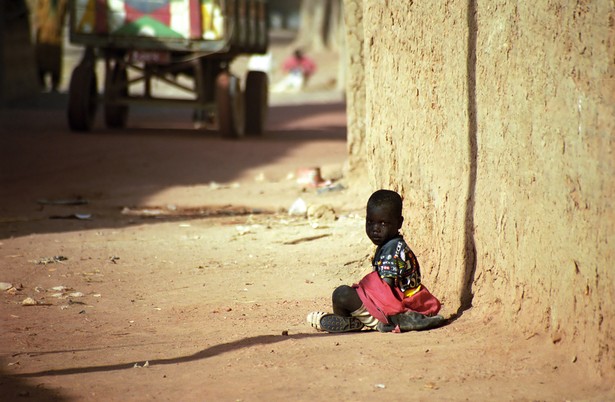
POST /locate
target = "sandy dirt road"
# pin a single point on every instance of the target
(190, 281)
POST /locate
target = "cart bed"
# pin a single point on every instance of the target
(233, 26)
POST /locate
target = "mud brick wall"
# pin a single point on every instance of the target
(496, 121)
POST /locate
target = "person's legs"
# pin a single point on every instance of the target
(296, 81)
(347, 303)
(349, 313)
(41, 79)
(345, 300)
(285, 84)
(55, 81)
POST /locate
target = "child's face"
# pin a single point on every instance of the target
(381, 224)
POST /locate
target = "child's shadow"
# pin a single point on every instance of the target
(203, 354)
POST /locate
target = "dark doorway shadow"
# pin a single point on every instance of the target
(40, 159)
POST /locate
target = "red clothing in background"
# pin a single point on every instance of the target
(301, 64)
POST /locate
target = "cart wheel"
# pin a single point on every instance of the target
(229, 103)
(116, 87)
(256, 102)
(82, 98)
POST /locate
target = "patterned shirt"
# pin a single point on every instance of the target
(394, 259)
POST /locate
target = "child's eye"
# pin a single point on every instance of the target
(381, 223)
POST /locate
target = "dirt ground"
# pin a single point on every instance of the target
(191, 281)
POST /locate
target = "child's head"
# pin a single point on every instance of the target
(384, 216)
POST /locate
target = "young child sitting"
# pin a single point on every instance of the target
(392, 297)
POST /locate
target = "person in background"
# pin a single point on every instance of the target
(49, 22)
(298, 69)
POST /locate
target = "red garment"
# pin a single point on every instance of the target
(382, 300)
(303, 64)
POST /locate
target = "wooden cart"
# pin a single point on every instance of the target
(187, 44)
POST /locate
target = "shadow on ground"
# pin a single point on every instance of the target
(200, 355)
(40, 158)
(19, 389)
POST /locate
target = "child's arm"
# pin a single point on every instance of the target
(389, 281)
(398, 266)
